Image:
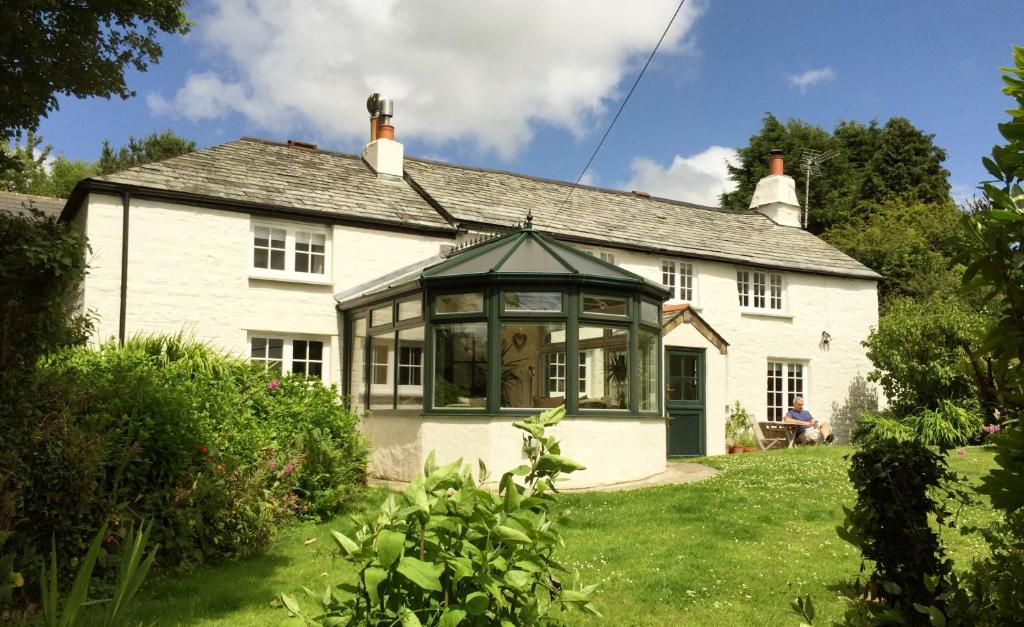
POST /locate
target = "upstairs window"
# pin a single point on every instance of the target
(678, 277)
(296, 252)
(268, 248)
(310, 251)
(759, 290)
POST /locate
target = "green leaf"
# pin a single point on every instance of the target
(452, 617)
(510, 535)
(558, 463)
(373, 576)
(462, 567)
(477, 603)
(409, 618)
(346, 544)
(423, 574)
(417, 494)
(511, 490)
(291, 604)
(390, 545)
(431, 463)
(517, 579)
(534, 429)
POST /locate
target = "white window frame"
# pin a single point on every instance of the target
(292, 234)
(410, 367)
(680, 277)
(787, 373)
(287, 357)
(761, 291)
(557, 382)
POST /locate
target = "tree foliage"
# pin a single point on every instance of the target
(912, 246)
(36, 173)
(873, 165)
(42, 264)
(149, 149)
(79, 49)
(994, 251)
(925, 352)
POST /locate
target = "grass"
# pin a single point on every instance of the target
(730, 550)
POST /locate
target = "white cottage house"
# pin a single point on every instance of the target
(446, 300)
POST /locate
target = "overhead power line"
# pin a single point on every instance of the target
(621, 107)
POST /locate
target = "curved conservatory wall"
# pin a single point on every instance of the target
(447, 356)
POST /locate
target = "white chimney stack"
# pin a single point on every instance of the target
(775, 194)
(383, 153)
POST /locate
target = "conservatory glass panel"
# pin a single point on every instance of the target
(358, 364)
(460, 365)
(382, 371)
(459, 303)
(410, 368)
(604, 305)
(607, 350)
(533, 301)
(647, 364)
(528, 353)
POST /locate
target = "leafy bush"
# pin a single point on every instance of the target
(737, 425)
(889, 524)
(861, 399)
(212, 449)
(447, 551)
(42, 264)
(928, 351)
(948, 427)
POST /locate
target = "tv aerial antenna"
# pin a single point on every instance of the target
(810, 164)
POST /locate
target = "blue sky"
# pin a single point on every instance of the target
(530, 86)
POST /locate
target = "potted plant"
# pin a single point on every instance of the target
(747, 443)
(736, 427)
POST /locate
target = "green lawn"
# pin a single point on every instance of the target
(731, 550)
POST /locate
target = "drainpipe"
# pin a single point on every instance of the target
(125, 204)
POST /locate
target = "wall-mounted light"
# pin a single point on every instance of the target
(826, 341)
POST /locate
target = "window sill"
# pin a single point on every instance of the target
(766, 313)
(287, 277)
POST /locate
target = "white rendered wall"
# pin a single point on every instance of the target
(614, 450)
(845, 307)
(189, 269)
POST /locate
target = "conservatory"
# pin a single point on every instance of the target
(445, 356)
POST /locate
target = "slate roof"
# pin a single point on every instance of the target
(278, 175)
(639, 221)
(334, 184)
(12, 202)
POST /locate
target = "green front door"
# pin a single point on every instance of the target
(684, 400)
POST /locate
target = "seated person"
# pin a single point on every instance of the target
(810, 430)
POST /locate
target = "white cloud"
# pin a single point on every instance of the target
(699, 179)
(812, 77)
(458, 70)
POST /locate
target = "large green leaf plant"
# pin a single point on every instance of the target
(448, 551)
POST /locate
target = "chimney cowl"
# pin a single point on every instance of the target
(383, 154)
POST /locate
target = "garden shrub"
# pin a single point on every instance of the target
(216, 451)
(448, 551)
(947, 427)
(42, 263)
(861, 399)
(889, 524)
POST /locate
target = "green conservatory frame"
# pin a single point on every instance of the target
(522, 260)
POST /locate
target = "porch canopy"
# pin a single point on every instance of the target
(513, 324)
